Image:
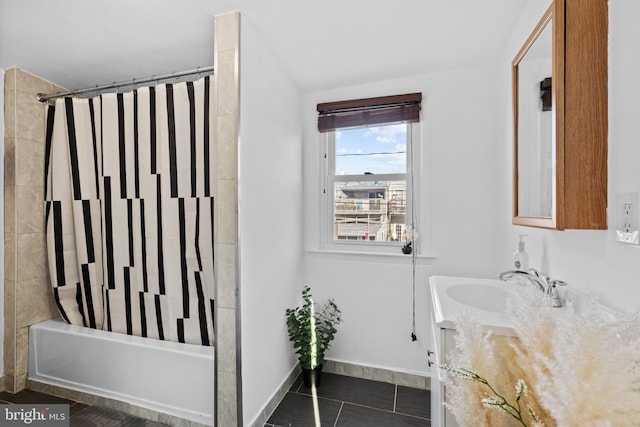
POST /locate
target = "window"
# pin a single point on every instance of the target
(368, 164)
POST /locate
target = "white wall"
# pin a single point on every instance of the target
(270, 218)
(458, 140)
(590, 260)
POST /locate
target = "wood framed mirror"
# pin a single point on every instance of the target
(561, 182)
(536, 86)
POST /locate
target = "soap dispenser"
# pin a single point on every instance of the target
(520, 256)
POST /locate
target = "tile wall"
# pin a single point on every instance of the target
(27, 295)
(227, 70)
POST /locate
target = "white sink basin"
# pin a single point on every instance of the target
(480, 296)
(485, 299)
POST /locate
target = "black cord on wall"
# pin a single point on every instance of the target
(414, 252)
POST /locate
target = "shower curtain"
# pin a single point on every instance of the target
(129, 211)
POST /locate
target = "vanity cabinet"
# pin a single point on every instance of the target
(442, 343)
(560, 134)
(486, 300)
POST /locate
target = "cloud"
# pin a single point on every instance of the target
(392, 160)
(388, 134)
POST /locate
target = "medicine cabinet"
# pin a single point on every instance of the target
(560, 119)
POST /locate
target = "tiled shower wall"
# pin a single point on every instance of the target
(27, 295)
(227, 69)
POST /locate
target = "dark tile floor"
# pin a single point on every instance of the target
(81, 415)
(352, 402)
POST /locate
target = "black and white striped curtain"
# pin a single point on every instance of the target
(130, 211)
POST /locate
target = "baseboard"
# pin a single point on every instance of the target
(276, 398)
(386, 375)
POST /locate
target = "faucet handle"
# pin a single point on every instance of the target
(552, 291)
(557, 282)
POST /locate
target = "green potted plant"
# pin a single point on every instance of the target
(311, 332)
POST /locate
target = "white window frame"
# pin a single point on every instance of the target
(413, 181)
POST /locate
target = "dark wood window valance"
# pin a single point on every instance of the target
(369, 111)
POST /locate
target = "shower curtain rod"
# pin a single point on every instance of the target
(204, 70)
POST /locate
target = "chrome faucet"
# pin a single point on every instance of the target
(532, 276)
(544, 284)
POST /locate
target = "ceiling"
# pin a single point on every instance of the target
(321, 44)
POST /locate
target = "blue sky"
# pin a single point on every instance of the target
(378, 150)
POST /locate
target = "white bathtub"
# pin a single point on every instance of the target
(167, 377)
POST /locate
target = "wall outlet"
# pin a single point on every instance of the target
(627, 218)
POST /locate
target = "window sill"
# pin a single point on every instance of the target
(362, 253)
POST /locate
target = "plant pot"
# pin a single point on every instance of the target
(312, 376)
